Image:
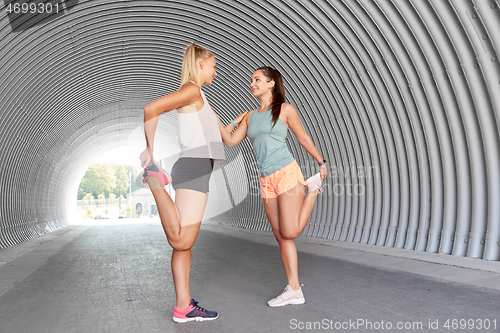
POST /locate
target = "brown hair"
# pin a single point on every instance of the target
(278, 90)
(192, 54)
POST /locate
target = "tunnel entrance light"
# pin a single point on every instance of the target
(105, 194)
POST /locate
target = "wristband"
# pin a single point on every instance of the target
(232, 122)
(321, 163)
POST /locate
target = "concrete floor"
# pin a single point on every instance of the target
(117, 278)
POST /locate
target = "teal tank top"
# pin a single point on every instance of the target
(269, 144)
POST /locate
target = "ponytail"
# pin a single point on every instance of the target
(278, 91)
(192, 54)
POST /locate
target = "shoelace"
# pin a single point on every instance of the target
(195, 304)
(148, 166)
(284, 290)
(321, 186)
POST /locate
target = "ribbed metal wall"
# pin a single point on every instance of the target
(401, 97)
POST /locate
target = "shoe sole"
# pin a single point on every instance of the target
(313, 187)
(182, 320)
(313, 178)
(293, 301)
(139, 180)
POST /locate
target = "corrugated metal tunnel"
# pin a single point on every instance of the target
(400, 97)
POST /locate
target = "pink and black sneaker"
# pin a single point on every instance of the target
(193, 313)
(152, 170)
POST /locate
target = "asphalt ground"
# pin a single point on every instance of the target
(116, 278)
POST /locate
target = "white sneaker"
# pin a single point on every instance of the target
(313, 183)
(288, 296)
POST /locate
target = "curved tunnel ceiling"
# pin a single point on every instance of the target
(400, 97)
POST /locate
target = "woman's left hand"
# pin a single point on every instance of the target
(146, 157)
(322, 171)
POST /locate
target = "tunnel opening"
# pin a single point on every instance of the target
(106, 188)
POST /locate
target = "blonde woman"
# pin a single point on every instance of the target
(201, 144)
(282, 184)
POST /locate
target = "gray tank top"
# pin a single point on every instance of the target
(268, 142)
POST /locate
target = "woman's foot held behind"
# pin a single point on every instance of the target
(152, 170)
(314, 183)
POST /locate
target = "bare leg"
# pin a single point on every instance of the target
(307, 207)
(191, 206)
(289, 214)
(166, 208)
(181, 269)
(288, 251)
(175, 218)
(180, 238)
(295, 210)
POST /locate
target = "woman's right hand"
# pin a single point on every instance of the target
(240, 117)
(146, 157)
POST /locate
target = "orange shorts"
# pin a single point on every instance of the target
(281, 181)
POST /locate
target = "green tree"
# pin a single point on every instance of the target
(98, 179)
(120, 199)
(108, 178)
(126, 211)
(122, 180)
(112, 198)
(101, 198)
(88, 198)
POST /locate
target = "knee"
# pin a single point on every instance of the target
(284, 235)
(277, 235)
(181, 245)
(289, 234)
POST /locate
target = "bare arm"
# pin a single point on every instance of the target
(230, 127)
(187, 94)
(238, 135)
(301, 135)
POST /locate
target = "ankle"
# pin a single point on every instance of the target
(183, 306)
(154, 184)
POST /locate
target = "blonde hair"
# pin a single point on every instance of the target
(192, 54)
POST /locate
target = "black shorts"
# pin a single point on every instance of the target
(192, 173)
